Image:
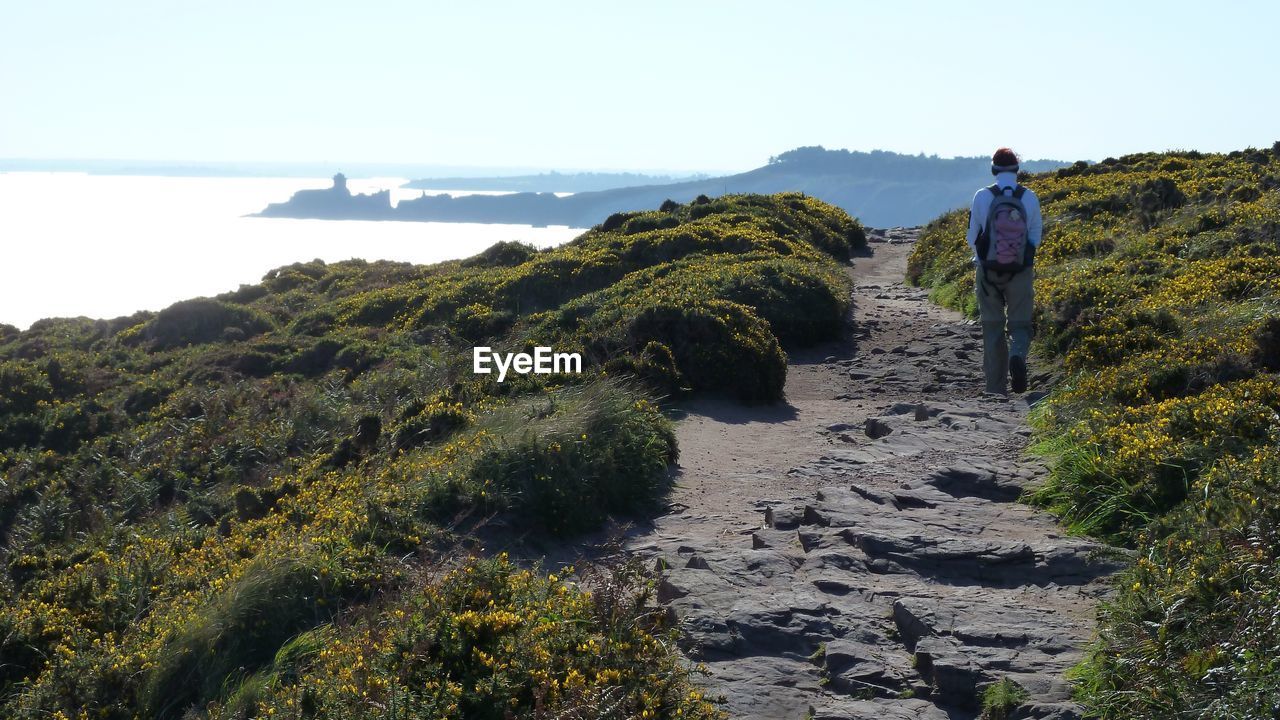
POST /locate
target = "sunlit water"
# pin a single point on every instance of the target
(105, 246)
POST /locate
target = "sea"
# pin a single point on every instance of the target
(102, 246)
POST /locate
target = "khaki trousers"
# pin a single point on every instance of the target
(1005, 304)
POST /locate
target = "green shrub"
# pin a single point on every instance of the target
(203, 320)
(476, 322)
(1265, 353)
(20, 431)
(649, 221)
(564, 460)
(315, 358)
(942, 262)
(423, 423)
(490, 641)
(287, 278)
(718, 347)
(1155, 196)
(801, 307)
(237, 632)
(1197, 623)
(507, 253)
(654, 366)
(23, 387)
(615, 221)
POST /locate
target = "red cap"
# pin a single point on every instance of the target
(1004, 160)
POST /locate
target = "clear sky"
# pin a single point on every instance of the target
(696, 85)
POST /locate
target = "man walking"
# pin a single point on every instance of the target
(1005, 229)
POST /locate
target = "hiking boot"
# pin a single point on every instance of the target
(1018, 374)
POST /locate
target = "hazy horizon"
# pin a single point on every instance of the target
(308, 168)
(579, 85)
(363, 168)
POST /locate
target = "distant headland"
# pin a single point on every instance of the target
(554, 182)
(335, 203)
(883, 189)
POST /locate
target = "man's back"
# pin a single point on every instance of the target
(1005, 274)
(981, 206)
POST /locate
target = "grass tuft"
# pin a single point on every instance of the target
(1001, 698)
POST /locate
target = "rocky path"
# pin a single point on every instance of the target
(858, 552)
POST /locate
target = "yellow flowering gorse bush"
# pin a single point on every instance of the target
(1158, 293)
(225, 508)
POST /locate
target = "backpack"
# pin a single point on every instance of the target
(1002, 242)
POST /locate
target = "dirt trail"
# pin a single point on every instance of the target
(857, 552)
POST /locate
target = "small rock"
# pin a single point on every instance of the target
(813, 516)
(951, 673)
(782, 518)
(876, 428)
(668, 591)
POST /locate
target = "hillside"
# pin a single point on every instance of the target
(552, 182)
(263, 503)
(882, 189)
(1158, 294)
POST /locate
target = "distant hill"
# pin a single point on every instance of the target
(881, 188)
(553, 182)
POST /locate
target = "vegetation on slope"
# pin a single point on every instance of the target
(253, 504)
(1158, 290)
